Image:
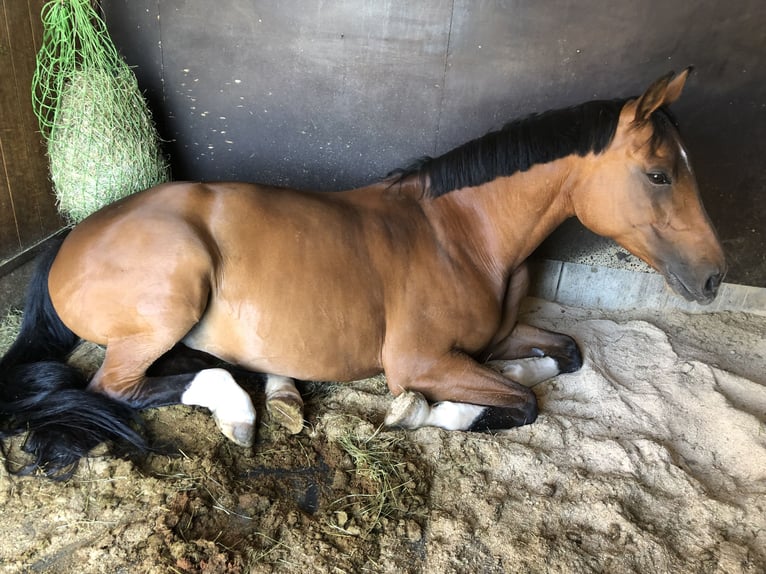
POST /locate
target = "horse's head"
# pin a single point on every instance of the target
(641, 192)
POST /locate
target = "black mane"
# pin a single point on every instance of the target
(535, 139)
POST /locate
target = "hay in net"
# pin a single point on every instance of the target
(102, 144)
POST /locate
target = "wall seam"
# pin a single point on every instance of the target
(162, 54)
(444, 81)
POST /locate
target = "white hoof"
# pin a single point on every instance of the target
(240, 433)
(287, 411)
(411, 410)
(231, 406)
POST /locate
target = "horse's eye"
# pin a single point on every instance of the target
(658, 178)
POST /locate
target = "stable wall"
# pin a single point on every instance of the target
(330, 95)
(27, 208)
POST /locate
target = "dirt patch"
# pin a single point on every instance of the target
(652, 458)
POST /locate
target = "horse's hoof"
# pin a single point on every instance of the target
(240, 433)
(287, 411)
(569, 359)
(409, 411)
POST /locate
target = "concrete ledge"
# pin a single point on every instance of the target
(613, 289)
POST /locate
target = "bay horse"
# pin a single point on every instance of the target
(419, 275)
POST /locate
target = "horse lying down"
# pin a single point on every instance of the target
(419, 275)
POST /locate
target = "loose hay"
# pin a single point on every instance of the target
(9, 329)
(386, 484)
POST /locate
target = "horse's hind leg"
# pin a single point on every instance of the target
(283, 401)
(123, 376)
(232, 409)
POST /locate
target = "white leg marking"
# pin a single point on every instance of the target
(284, 403)
(276, 384)
(231, 406)
(408, 410)
(527, 372)
(454, 416)
(411, 411)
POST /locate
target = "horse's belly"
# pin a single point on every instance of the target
(302, 349)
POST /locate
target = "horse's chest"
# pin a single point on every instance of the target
(446, 319)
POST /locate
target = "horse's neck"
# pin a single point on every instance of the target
(503, 221)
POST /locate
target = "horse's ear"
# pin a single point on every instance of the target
(662, 92)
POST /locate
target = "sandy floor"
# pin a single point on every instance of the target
(652, 458)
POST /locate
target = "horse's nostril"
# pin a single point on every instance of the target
(712, 283)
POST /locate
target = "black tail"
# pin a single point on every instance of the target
(42, 394)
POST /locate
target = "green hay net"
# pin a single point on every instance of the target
(102, 144)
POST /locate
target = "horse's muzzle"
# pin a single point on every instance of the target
(693, 288)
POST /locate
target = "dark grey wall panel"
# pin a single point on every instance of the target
(324, 95)
(334, 94)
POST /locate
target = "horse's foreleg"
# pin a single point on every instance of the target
(527, 354)
(543, 354)
(467, 396)
(529, 371)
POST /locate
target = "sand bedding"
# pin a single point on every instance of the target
(651, 458)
